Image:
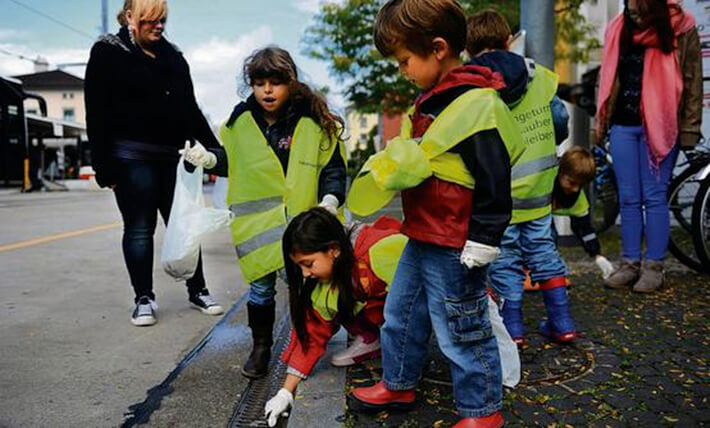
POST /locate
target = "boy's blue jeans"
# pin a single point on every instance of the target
(432, 289)
(641, 191)
(529, 244)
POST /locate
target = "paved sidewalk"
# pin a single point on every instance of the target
(641, 361)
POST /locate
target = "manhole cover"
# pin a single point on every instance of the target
(542, 362)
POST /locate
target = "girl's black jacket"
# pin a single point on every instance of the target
(138, 107)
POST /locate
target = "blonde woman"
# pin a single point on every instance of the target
(140, 109)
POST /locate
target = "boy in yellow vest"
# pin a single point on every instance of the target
(528, 241)
(452, 164)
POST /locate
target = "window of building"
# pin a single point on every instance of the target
(363, 137)
(31, 111)
(69, 114)
(363, 122)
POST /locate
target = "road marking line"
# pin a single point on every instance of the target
(59, 236)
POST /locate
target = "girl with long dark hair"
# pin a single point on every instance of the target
(336, 277)
(650, 103)
(282, 155)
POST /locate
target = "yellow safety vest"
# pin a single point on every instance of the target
(261, 197)
(533, 175)
(579, 209)
(407, 162)
(384, 257)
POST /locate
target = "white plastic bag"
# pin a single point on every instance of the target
(219, 193)
(508, 350)
(190, 220)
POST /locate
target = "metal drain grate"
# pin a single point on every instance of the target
(250, 409)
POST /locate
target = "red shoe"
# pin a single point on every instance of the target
(378, 397)
(491, 421)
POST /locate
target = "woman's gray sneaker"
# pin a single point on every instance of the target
(652, 277)
(625, 276)
(205, 303)
(144, 312)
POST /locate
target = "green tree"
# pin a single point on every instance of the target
(341, 35)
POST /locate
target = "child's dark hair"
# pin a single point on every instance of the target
(487, 29)
(578, 163)
(310, 232)
(413, 24)
(274, 62)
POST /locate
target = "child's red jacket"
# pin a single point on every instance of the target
(368, 288)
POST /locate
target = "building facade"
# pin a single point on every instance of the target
(63, 92)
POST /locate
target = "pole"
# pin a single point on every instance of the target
(537, 18)
(104, 16)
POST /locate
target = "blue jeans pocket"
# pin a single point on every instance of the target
(467, 319)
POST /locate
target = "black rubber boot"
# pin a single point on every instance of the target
(261, 321)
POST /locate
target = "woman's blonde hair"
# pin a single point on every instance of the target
(143, 10)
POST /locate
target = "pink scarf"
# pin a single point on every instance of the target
(662, 82)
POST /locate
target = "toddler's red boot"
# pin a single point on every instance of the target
(491, 421)
(379, 397)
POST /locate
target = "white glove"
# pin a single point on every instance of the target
(198, 155)
(278, 406)
(330, 203)
(475, 254)
(604, 265)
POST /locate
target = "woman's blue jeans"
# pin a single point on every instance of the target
(145, 188)
(641, 191)
(433, 290)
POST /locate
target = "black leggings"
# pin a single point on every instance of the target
(143, 189)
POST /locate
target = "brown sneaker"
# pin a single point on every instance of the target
(652, 277)
(625, 276)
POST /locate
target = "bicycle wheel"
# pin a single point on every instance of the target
(606, 205)
(681, 194)
(680, 204)
(701, 225)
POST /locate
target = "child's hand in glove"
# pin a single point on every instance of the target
(604, 265)
(198, 155)
(278, 406)
(475, 254)
(330, 203)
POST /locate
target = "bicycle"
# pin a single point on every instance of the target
(701, 217)
(683, 190)
(606, 196)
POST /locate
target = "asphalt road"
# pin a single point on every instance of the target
(69, 355)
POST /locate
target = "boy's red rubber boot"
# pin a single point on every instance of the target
(559, 324)
(378, 397)
(491, 421)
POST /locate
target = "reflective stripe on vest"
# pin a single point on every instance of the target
(474, 111)
(257, 206)
(533, 175)
(524, 169)
(532, 203)
(264, 238)
(261, 197)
